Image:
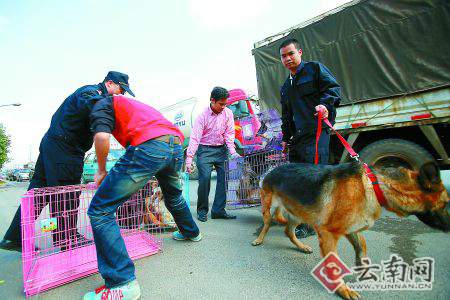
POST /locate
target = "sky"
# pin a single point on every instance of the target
(172, 50)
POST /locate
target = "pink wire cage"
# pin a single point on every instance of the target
(57, 240)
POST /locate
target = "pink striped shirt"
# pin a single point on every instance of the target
(213, 130)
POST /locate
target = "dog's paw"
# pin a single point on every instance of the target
(346, 293)
(306, 249)
(256, 242)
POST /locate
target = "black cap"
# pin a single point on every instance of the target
(120, 79)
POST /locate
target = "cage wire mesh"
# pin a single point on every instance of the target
(262, 148)
(57, 240)
(244, 175)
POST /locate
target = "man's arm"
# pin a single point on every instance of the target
(102, 124)
(286, 119)
(330, 91)
(230, 134)
(194, 141)
(101, 140)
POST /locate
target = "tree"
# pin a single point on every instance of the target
(5, 142)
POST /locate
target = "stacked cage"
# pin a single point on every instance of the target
(57, 239)
(244, 176)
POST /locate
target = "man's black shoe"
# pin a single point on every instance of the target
(202, 218)
(10, 245)
(304, 230)
(225, 216)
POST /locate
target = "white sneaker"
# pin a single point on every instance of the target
(129, 291)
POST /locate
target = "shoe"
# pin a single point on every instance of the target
(10, 245)
(178, 236)
(202, 217)
(304, 230)
(225, 216)
(129, 291)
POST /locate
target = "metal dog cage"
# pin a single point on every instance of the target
(57, 240)
(244, 176)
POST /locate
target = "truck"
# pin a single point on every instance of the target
(392, 60)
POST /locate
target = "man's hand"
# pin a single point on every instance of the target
(235, 155)
(189, 168)
(284, 147)
(99, 176)
(323, 109)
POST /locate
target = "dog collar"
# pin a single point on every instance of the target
(376, 186)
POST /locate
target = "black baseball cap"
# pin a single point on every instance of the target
(120, 79)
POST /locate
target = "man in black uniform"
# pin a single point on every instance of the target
(309, 88)
(61, 155)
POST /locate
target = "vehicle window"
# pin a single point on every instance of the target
(233, 108)
(239, 109)
(243, 108)
(115, 154)
(89, 158)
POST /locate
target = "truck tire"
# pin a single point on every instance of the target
(395, 153)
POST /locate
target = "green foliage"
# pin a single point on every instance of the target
(5, 142)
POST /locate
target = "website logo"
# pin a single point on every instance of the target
(330, 272)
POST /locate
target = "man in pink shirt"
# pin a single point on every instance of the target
(212, 135)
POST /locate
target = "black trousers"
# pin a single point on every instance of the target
(207, 157)
(303, 148)
(57, 165)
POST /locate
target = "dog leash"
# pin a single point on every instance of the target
(369, 172)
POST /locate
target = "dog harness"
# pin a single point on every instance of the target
(369, 171)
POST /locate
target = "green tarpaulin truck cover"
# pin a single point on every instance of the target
(375, 48)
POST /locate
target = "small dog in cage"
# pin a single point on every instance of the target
(156, 214)
(248, 189)
(340, 201)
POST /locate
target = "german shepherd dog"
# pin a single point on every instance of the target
(340, 201)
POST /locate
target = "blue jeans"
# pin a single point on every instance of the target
(133, 170)
(207, 157)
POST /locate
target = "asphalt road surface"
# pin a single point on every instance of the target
(224, 265)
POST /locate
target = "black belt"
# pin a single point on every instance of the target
(212, 146)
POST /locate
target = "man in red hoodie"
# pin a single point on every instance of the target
(153, 148)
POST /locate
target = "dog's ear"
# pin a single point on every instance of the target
(429, 177)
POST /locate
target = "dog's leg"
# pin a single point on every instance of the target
(266, 201)
(328, 243)
(359, 245)
(290, 232)
(278, 215)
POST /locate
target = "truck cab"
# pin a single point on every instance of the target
(246, 122)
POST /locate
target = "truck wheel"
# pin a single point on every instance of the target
(395, 153)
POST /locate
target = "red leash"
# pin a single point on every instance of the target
(373, 178)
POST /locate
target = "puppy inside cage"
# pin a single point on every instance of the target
(156, 214)
(244, 176)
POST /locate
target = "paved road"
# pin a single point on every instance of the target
(225, 266)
